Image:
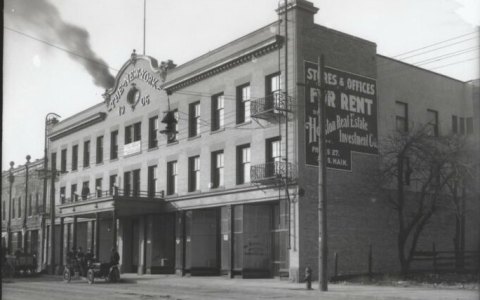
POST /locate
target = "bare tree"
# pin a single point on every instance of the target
(415, 168)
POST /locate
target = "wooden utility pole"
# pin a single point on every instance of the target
(322, 180)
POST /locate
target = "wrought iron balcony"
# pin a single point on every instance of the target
(273, 173)
(268, 108)
(99, 194)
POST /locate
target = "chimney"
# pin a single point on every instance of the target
(305, 10)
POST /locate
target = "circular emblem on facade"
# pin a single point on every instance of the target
(133, 96)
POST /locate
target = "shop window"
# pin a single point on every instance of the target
(172, 177)
(454, 124)
(243, 103)
(114, 144)
(75, 158)
(401, 116)
(217, 169)
(152, 181)
(218, 120)
(98, 186)
(243, 164)
(86, 154)
(194, 173)
(152, 132)
(63, 160)
(194, 119)
(432, 125)
(99, 156)
(73, 192)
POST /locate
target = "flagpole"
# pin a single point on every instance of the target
(144, 23)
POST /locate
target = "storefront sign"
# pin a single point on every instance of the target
(351, 116)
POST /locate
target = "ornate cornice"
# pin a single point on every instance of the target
(87, 122)
(234, 60)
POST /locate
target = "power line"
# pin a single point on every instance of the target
(59, 48)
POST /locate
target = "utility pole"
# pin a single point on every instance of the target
(144, 23)
(25, 238)
(322, 182)
(11, 180)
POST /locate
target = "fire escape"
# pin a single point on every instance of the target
(273, 108)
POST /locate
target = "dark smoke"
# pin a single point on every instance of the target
(43, 19)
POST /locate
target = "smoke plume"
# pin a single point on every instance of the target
(43, 20)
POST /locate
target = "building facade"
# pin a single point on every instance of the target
(232, 187)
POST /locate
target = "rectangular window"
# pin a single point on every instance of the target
(98, 187)
(112, 184)
(152, 181)
(194, 119)
(133, 133)
(218, 112)
(171, 177)
(152, 132)
(85, 190)
(243, 104)
(462, 125)
(272, 91)
(74, 157)
(86, 154)
(433, 122)
(172, 138)
(63, 160)
(401, 116)
(131, 183)
(194, 173)
(73, 192)
(454, 124)
(99, 149)
(272, 157)
(54, 161)
(469, 125)
(217, 169)
(114, 144)
(243, 164)
(62, 194)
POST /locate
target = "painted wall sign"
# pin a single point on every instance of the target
(135, 96)
(351, 112)
(132, 148)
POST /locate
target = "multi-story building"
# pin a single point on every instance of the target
(23, 208)
(232, 188)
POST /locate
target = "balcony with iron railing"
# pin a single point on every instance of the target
(273, 173)
(115, 192)
(270, 107)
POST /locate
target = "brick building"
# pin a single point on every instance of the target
(233, 190)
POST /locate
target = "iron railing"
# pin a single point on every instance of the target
(273, 171)
(115, 192)
(273, 104)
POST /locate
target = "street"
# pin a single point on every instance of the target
(173, 287)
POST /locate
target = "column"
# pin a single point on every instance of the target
(62, 241)
(142, 243)
(114, 228)
(74, 240)
(97, 235)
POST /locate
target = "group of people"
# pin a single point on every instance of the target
(79, 260)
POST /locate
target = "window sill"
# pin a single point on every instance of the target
(87, 167)
(217, 130)
(99, 163)
(243, 124)
(194, 192)
(245, 184)
(152, 149)
(113, 159)
(172, 143)
(171, 195)
(194, 137)
(74, 171)
(133, 154)
(218, 188)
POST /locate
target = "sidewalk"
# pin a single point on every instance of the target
(297, 291)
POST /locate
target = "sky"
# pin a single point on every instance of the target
(44, 71)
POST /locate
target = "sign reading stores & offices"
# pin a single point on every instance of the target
(351, 116)
(134, 95)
